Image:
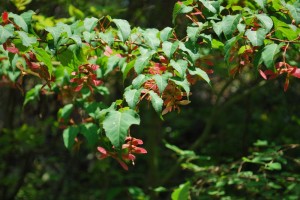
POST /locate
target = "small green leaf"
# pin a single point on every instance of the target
(44, 57)
(295, 11)
(161, 81)
(116, 125)
(268, 55)
(32, 94)
(261, 3)
(132, 97)
(165, 34)
(90, 23)
(193, 33)
(19, 21)
(91, 132)
(75, 12)
(26, 40)
(124, 28)
(6, 32)
(273, 166)
(229, 24)
(126, 68)
(182, 83)
(180, 8)
(139, 81)
(180, 66)
(199, 72)
(182, 192)
(256, 37)
(217, 27)
(265, 21)
(65, 112)
(169, 48)
(142, 62)
(27, 16)
(228, 46)
(69, 136)
(156, 101)
(151, 38)
(209, 6)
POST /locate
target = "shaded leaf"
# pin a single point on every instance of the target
(69, 136)
(182, 192)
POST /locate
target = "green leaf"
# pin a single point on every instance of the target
(165, 34)
(156, 101)
(126, 68)
(124, 28)
(182, 83)
(27, 16)
(256, 37)
(273, 166)
(265, 21)
(180, 8)
(139, 81)
(294, 10)
(208, 5)
(217, 27)
(193, 33)
(69, 136)
(142, 62)
(228, 46)
(75, 12)
(6, 32)
(26, 40)
(268, 55)
(77, 40)
(180, 66)
(151, 38)
(199, 72)
(132, 97)
(44, 57)
(65, 112)
(32, 94)
(116, 125)
(229, 25)
(19, 21)
(55, 32)
(261, 3)
(112, 62)
(169, 48)
(161, 81)
(216, 44)
(90, 23)
(182, 192)
(90, 132)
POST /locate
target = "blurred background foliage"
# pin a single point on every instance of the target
(236, 140)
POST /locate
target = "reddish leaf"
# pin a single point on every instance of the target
(263, 74)
(5, 17)
(296, 73)
(78, 88)
(286, 84)
(12, 50)
(123, 164)
(139, 150)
